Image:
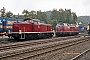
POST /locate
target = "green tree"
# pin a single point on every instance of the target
(26, 13)
(3, 12)
(42, 16)
(9, 14)
(62, 17)
(33, 14)
(67, 15)
(53, 23)
(54, 14)
(74, 17)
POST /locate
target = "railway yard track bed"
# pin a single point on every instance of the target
(42, 50)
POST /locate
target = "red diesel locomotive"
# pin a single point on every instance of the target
(30, 29)
(65, 29)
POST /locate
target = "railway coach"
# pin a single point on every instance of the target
(6, 24)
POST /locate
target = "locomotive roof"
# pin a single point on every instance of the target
(66, 24)
(36, 20)
(32, 19)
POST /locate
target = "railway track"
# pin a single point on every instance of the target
(53, 48)
(30, 52)
(7, 47)
(68, 53)
(81, 54)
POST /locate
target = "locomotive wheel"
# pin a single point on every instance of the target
(16, 38)
(27, 37)
(35, 36)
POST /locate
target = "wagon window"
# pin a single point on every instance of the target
(61, 24)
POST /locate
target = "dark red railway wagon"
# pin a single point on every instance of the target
(31, 29)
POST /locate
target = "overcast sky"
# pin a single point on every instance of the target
(80, 7)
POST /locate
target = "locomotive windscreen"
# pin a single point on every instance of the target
(60, 24)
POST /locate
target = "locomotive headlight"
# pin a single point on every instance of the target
(20, 31)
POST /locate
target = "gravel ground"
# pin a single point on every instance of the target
(3, 38)
(65, 54)
(86, 56)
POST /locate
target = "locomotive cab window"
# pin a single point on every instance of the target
(26, 21)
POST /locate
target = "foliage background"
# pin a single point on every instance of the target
(51, 17)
